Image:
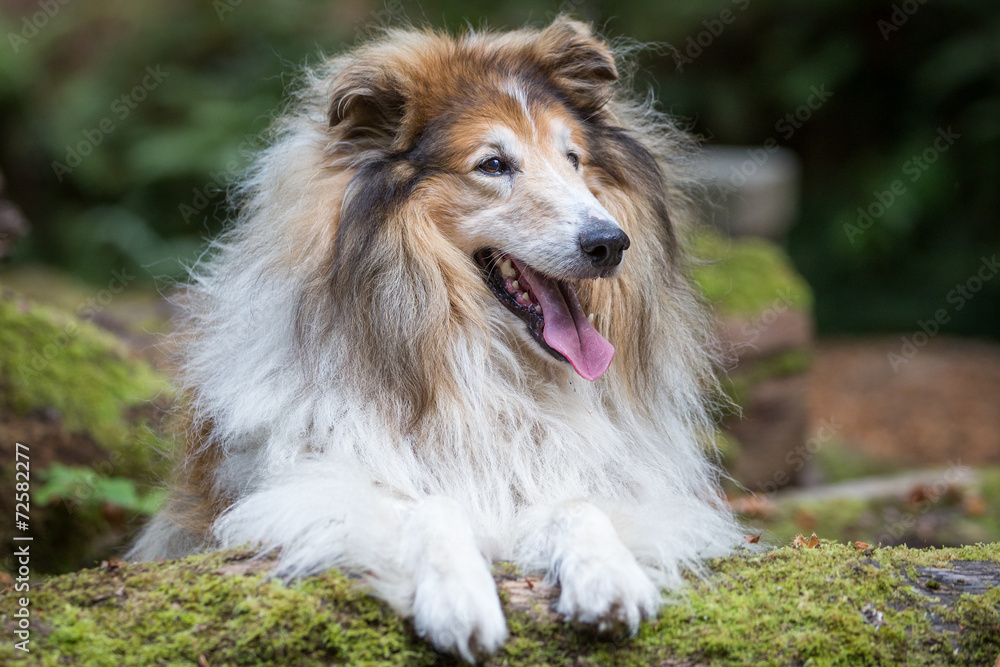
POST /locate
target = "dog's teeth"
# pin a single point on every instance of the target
(538, 308)
(506, 268)
(516, 286)
(590, 318)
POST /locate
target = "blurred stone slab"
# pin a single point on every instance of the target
(756, 187)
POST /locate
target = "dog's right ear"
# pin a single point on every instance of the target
(367, 103)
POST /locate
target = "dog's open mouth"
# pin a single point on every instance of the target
(551, 310)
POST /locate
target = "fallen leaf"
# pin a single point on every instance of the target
(202, 661)
(752, 539)
(801, 542)
(861, 546)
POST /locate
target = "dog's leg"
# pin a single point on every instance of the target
(421, 555)
(455, 602)
(602, 583)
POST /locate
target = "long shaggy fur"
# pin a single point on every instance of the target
(357, 395)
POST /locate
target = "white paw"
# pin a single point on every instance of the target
(458, 609)
(606, 589)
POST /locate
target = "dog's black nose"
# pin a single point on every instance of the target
(604, 245)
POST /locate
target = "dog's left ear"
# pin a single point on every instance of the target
(579, 63)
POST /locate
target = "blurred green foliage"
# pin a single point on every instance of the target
(86, 485)
(150, 187)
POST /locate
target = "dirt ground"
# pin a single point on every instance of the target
(940, 405)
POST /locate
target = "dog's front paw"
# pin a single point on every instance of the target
(458, 610)
(607, 590)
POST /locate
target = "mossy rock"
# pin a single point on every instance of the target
(764, 312)
(755, 293)
(745, 276)
(89, 413)
(828, 605)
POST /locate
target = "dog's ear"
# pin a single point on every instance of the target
(367, 102)
(579, 63)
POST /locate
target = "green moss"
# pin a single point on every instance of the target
(981, 615)
(52, 360)
(785, 607)
(746, 276)
(79, 396)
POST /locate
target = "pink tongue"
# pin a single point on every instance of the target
(567, 330)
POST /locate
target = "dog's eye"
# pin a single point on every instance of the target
(574, 159)
(494, 166)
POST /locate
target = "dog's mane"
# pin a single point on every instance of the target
(334, 314)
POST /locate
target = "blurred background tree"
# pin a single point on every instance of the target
(121, 124)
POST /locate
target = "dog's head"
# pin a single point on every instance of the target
(495, 155)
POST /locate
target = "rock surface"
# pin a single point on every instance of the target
(829, 604)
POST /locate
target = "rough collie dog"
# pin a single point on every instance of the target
(451, 326)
